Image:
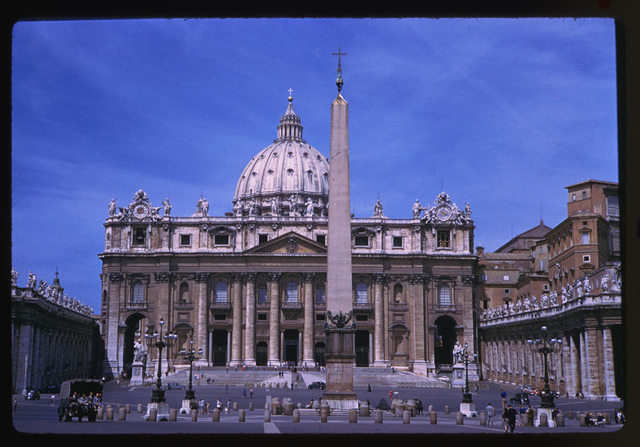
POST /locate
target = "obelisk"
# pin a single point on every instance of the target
(339, 327)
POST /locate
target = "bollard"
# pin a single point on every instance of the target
(446, 409)
(353, 416)
(153, 414)
(459, 418)
(215, 415)
(581, 420)
(571, 414)
(194, 415)
(430, 408)
(379, 417)
(523, 419)
(530, 416)
(364, 409)
(607, 418)
(406, 417)
(287, 406)
(251, 406)
(128, 408)
(100, 413)
(122, 414)
(543, 420)
(139, 408)
(433, 417)
(109, 413)
(324, 412)
(483, 418)
(241, 415)
(235, 406)
(173, 414)
(411, 407)
(560, 419)
(267, 415)
(296, 416)
(276, 407)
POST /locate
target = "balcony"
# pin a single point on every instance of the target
(362, 307)
(221, 305)
(137, 305)
(444, 308)
(291, 305)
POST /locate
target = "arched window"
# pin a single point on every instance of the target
(361, 293)
(291, 292)
(184, 293)
(137, 293)
(221, 292)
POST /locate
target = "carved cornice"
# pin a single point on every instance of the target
(250, 277)
(381, 278)
(131, 277)
(187, 276)
(468, 280)
(274, 276)
(202, 276)
(116, 277)
(308, 277)
(164, 276)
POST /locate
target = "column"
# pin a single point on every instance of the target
(299, 350)
(228, 359)
(584, 365)
(282, 345)
(567, 366)
(24, 356)
(307, 350)
(370, 348)
(210, 350)
(201, 334)
(274, 320)
(575, 367)
(416, 299)
(236, 331)
(609, 369)
(593, 348)
(250, 327)
(379, 360)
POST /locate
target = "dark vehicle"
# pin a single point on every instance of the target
(72, 403)
(318, 385)
(520, 399)
(175, 386)
(33, 395)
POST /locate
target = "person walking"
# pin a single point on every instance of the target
(509, 417)
(251, 393)
(491, 412)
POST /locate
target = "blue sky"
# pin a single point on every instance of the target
(500, 113)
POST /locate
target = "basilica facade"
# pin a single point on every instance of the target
(250, 286)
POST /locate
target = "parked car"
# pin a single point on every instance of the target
(318, 385)
(520, 399)
(33, 395)
(175, 386)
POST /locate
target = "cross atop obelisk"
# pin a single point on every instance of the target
(339, 79)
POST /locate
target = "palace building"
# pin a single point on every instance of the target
(250, 285)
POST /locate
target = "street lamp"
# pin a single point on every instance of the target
(465, 355)
(170, 337)
(190, 356)
(157, 394)
(545, 346)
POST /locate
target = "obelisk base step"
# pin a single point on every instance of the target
(341, 401)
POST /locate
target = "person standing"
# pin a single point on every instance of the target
(491, 412)
(509, 417)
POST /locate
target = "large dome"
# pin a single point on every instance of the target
(288, 177)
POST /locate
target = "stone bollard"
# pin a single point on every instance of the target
(530, 416)
(411, 407)
(288, 406)
(276, 406)
(267, 415)
(324, 412)
(278, 385)
(250, 405)
(173, 414)
(153, 415)
(543, 420)
(128, 408)
(296, 416)
(353, 416)
(194, 415)
(215, 415)
(139, 408)
(459, 418)
(433, 417)
(364, 409)
(483, 418)
(235, 406)
(109, 413)
(523, 419)
(241, 415)
(379, 417)
(100, 414)
(406, 417)
(429, 408)
(560, 419)
(446, 409)
(607, 418)
(122, 414)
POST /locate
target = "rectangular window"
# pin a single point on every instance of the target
(221, 239)
(443, 239)
(505, 278)
(262, 295)
(263, 238)
(362, 241)
(444, 296)
(613, 209)
(320, 295)
(185, 239)
(361, 293)
(362, 318)
(586, 259)
(584, 238)
(506, 291)
(139, 235)
(221, 292)
(219, 317)
(291, 293)
(397, 241)
(320, 317)
(262, 316)
(321, 239)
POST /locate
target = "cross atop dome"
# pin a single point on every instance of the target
(290, 127)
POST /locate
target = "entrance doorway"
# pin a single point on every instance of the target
(445, 338)
(318, 353)
(362, 348)
(219, 347)
(291, 346)
(133, 326)
(261, 353)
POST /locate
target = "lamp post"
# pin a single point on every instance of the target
(157, 394)
(545, 346)
(190, 356)
(466, 355)
(170, 337)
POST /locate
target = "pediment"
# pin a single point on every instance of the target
(290, 243)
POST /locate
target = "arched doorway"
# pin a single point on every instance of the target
(291, 345)
(261, 353)
(362, 348)
(318, 353)
(219, 347)
(445, 338)
(132, 324)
